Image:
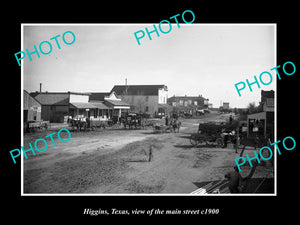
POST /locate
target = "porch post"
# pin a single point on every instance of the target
(119, 113)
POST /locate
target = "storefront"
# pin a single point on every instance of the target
(261, 124)
(83, 109)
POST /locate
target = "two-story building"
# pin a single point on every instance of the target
(150, 99)
(189, 104)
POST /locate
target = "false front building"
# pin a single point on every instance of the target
(115, 104)
(149, 99)
(56, 106)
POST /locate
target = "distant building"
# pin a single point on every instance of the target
(226, 105)
(188, 104)
(150, 99)
(197, 101)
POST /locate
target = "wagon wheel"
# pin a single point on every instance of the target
(220, 142)
(202, 140)
(194, 140)
(198, 140)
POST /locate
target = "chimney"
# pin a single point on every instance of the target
(40, 87)
(126, 81)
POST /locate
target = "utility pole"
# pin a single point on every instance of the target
(126, 87)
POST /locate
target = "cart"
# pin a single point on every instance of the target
(198, 139)
(34, 126)
(213, 134)
(133, 120)
(94, 123)
(162, 128)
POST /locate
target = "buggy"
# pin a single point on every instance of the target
(213, 134)
(132, 120)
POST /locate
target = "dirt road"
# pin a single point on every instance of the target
(117, 161)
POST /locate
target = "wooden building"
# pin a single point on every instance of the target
(149, 99)
(114, 105)
(31, 108)
(188, 104)
(57, 105)
(262, 123)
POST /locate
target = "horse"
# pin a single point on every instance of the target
(175, 124)
(132, 120)
(78, 123)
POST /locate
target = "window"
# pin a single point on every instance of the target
(146, 109)
(147, 98)
(180, 102)
(195, 103)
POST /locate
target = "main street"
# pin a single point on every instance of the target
(116, 161)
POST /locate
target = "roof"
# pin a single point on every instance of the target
(28, 100)
(83, 105)
(54, 98)
(98, 96)
(117, 103)
(99, 105)
(176, 98)
(64, 92)
(89, 105)
(138, 89)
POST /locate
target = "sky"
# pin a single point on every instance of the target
(195, 59)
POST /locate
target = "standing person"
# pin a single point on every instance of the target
(199, 127)
(230, 119)
(225, 140)
(167, 120)
(150, 153)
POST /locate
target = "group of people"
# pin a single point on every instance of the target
(171, 120)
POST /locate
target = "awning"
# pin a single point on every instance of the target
(100, 105)
(82, 105)
(116, 104)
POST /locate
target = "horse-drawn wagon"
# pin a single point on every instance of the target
(131, 120)
(174, 125)
(213, 134)
(81, 122)
(34, 126)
